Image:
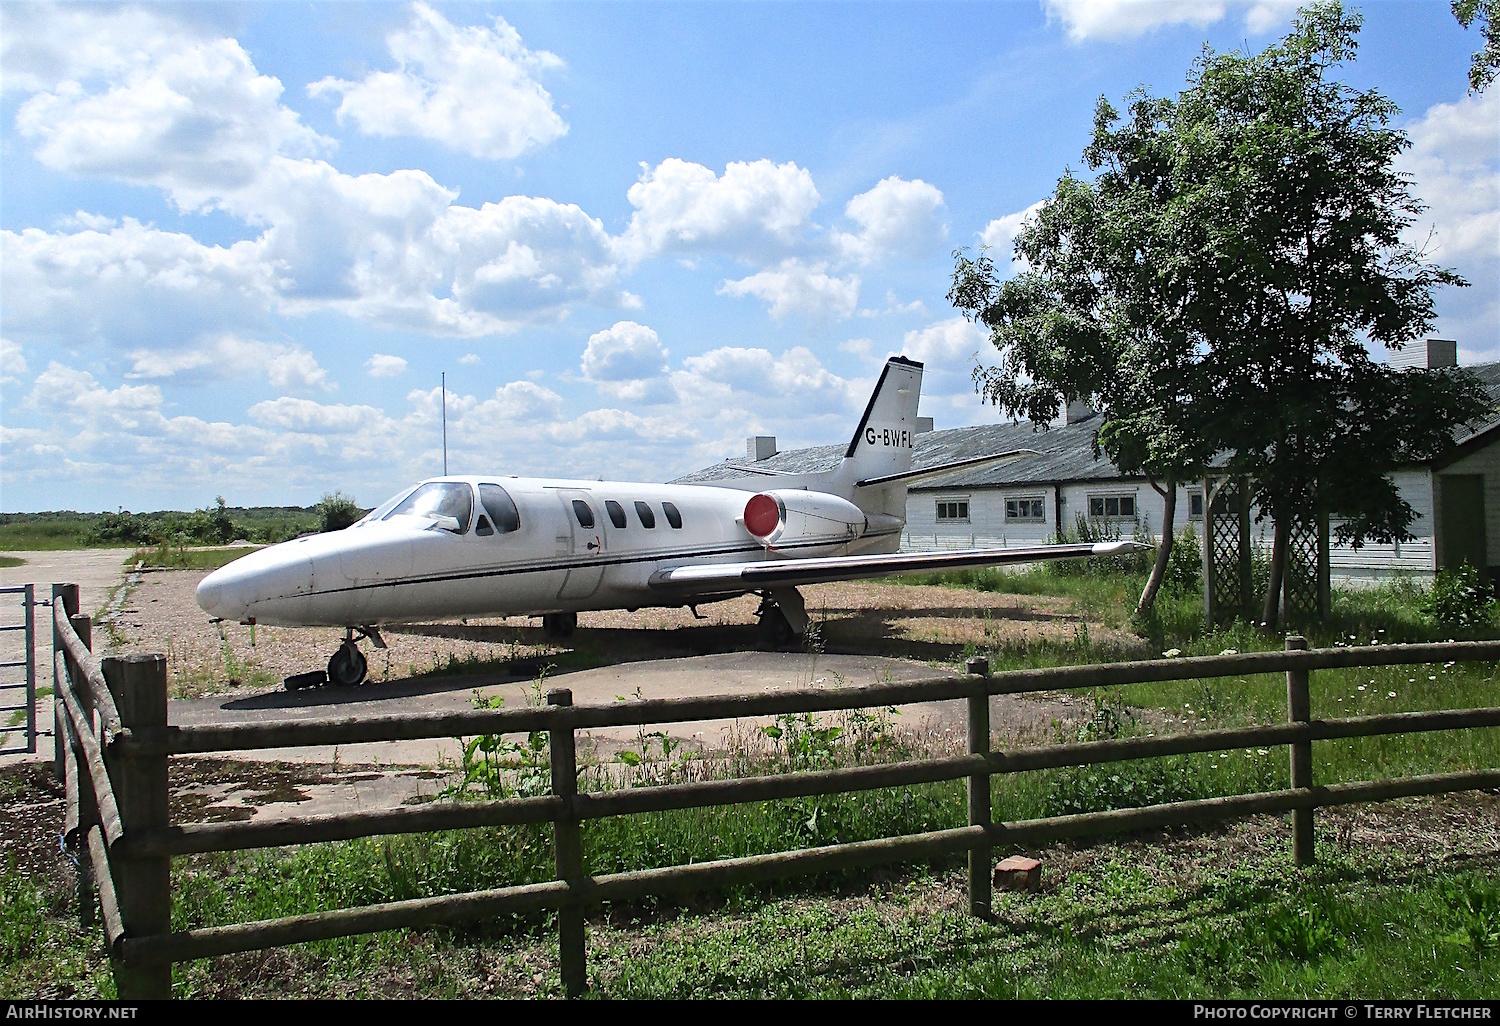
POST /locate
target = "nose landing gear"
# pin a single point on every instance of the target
(347, 667)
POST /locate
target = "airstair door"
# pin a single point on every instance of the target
(586, 520)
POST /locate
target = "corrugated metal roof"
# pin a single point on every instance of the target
(1066, 452)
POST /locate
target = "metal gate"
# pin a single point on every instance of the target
(18, 697)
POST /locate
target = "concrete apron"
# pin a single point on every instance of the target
(389, 774)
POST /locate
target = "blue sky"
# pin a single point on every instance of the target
(239, 243)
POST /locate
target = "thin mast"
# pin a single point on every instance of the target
(445, 423)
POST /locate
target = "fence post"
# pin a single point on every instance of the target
(143, 884)
(1299, 710)
(67, 594)
(568, 846)
(980, 856)
(88, 809)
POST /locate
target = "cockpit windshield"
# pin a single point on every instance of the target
(379, 512)
(439, 499)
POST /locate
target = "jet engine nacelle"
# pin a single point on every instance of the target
(794, 516)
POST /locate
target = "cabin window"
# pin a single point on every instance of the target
(584, 513)
(1112, 507)
(673, 517)
(501, 508)
(439, 499)
(648, 518)
(953, 511)
(1030, 508)
(616, 513)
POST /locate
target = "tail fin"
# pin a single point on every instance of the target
(882, 444)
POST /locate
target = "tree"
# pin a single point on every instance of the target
(1217, 286)
(1486, 61)
(1097, 313)
(337, 511)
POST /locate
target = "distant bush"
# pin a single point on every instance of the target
(337, 511)
(121, 528)
(1457, 601)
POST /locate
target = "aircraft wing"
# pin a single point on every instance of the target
(768, 573)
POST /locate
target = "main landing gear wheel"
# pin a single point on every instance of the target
(559, 625)
(347, 667)
(774, 626)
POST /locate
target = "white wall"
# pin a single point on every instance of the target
(987, 527)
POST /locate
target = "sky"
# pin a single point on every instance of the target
(241, 243)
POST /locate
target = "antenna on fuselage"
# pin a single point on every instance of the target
(445, 423)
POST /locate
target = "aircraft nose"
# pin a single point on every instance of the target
(210, 595)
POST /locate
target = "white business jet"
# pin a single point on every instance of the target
(492, 545)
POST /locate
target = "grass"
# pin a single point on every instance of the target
(1185, 915)
(9, 561)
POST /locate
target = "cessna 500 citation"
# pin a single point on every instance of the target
(493, 545)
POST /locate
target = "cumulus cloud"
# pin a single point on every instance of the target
(999, 236)
(1454, 161)
(896, 216)
(132, 284)
(1126, 19)
(628, 363)
(622, 352)
(228, 356)
(292, 414)
(796, 379)
(382, 366)
(947, 343)
(12, 363)
(471, 88)
(753, 209)
(192, 116)
(469, 359)
(795, 287)
(186, 114)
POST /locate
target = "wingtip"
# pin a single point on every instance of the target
(1113, 548)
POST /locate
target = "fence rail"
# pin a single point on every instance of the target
(118, 744)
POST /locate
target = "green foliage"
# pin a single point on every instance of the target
(1457, 601)
(1217, 285)
(1092, 531)
(1475, 902)
(215, 525)
(23, 909)
(1486, 61)
(1185, 565)
(337, 511)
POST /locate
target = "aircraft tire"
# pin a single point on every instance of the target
(774, 627)
(347, 667)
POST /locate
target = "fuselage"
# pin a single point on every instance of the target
(477, 546)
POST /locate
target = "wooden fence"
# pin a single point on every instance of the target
(118, 744)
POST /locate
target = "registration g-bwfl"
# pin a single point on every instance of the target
(491, 545)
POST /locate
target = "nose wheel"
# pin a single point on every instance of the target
(347, 667)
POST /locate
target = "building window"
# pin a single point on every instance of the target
(1195, 505)
(1028, 508)
(953, 511)
(1112, 507)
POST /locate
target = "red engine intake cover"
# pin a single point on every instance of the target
(762, 515)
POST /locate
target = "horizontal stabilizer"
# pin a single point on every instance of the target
(718, 576)
(911, 477)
